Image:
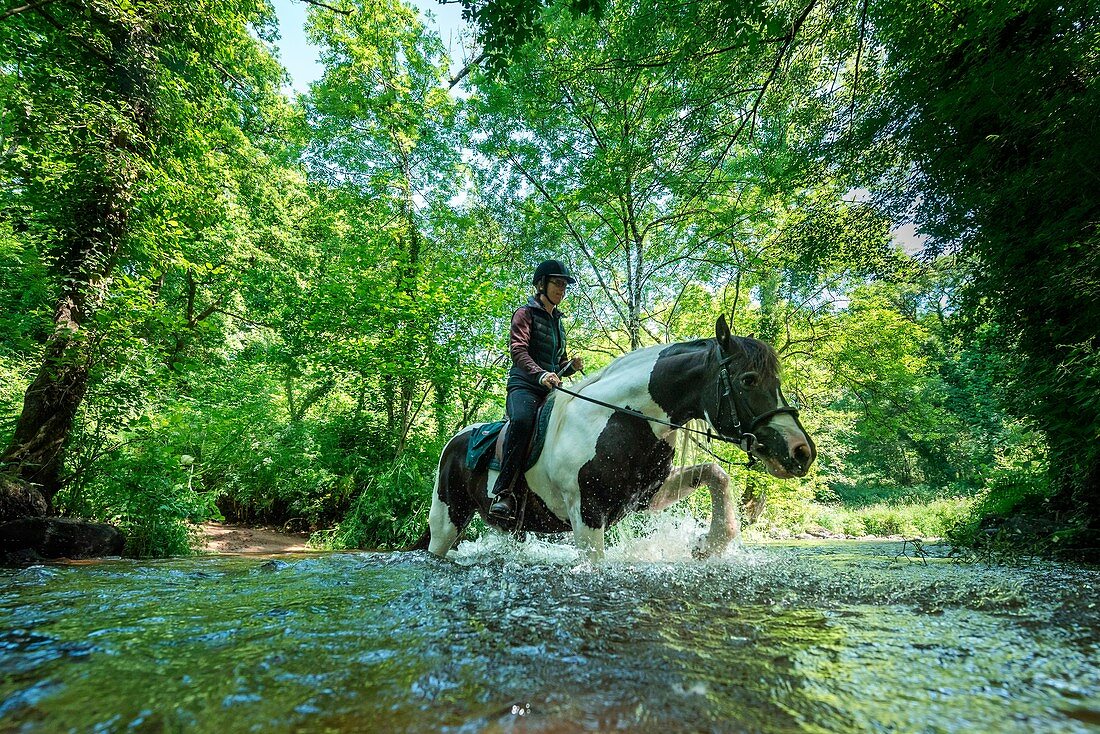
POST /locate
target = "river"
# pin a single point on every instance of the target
(811, 637)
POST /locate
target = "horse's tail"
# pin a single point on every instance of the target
(422, 542)
(426, 537)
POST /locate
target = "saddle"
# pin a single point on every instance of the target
(486, 447)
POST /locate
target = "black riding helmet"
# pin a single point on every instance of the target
(552, 269)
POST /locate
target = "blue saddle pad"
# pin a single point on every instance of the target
(480, 452)
(480, 449)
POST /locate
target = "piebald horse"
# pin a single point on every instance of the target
(599, 463)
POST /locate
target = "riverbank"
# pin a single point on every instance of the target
(223, 538)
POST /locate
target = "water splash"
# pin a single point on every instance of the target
(662, 538)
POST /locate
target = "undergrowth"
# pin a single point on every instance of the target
(390, 513)
(931, 519)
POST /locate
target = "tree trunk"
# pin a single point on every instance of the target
(108, 169)
(409, 340)
(36, 450)
(19, 499)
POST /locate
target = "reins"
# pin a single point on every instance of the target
(638, 414)
(744, 440)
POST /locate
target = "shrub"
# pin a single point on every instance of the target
(144, 489)
(1012, 512)
(392, 509)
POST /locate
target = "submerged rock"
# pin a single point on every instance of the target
(33, 538)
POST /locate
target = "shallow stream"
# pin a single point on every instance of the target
(835, 636)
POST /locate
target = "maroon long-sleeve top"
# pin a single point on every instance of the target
(537, 345)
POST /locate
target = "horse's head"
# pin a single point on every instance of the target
(747, 404)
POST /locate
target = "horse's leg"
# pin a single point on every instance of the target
(589, 541)
(444, 532)
(724, 525)
(452, 504)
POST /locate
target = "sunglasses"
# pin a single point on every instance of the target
(560, 282)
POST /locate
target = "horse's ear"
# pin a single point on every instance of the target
(722, 333)
(726, 340)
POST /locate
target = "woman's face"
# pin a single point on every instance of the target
(555, 290)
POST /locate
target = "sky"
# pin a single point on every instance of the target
(300, 57)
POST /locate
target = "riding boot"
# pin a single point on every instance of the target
(504, 506)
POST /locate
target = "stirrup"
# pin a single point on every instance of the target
(503, 508)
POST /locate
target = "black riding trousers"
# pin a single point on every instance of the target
(523, 408)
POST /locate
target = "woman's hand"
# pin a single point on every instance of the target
(578, 363)
(550, 380)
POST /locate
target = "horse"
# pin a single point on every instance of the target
(610, 443)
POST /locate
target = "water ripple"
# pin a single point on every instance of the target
(776, 638)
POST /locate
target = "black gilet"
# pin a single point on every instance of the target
(546, 347)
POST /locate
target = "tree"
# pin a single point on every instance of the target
(664, 154)
(113, 118)
(987, 113)
(106, 108)
(385, 142)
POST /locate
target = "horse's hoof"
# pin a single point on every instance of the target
(705, 548)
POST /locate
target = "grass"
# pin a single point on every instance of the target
(908, 515)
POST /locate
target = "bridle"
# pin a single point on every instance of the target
(729, 391)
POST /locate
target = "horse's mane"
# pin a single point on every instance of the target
(759, 357)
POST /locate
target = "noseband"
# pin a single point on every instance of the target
(730, 392)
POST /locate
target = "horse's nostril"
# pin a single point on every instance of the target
(802, 454)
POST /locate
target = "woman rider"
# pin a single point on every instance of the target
(537, 346)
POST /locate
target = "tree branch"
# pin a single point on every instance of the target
(23, 8)
(859, 55)
(466, 70)
(589, 256)
(110, 63)
(320, 4)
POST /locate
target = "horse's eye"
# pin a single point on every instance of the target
(748, 379)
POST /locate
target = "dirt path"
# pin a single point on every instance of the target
(220, 538)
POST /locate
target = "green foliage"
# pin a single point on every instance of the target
(630, 142)
(136, 173)
(936, 518)
(392, 509)
(1014, 509)
(277, 474)
(908, 401)
(856, 496)
(147, 492)
(294, 305)
(24, 296)
(988, 111)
